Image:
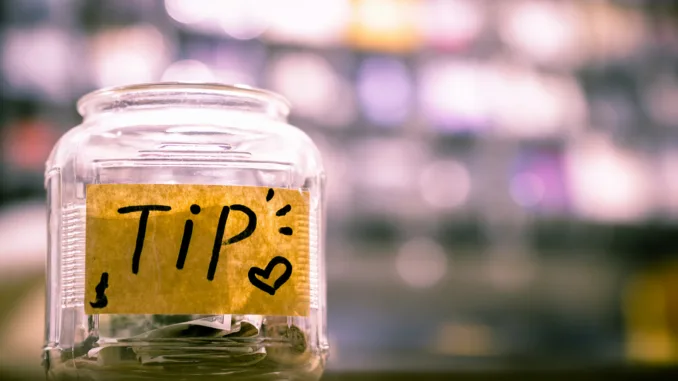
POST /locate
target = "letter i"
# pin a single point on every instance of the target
(186, 240)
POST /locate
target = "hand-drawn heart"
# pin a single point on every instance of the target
(265, 273)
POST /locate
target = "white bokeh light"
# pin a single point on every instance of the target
(388, 165)
(190, 11)
(309, 22)
(546, 31)
(315, 90)
(608, 183)
(530, 105)
(188, 71)
(421, 263)
(242, 20)
(445, 184)
(451, 22)
(24, 54)
(455, 92)
(133, 54)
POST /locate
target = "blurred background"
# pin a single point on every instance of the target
(503, 175)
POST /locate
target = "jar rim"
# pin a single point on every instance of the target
(98, 99)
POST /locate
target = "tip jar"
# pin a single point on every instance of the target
(185, 239)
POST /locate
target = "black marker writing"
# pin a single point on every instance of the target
(249, 229)
(221, 229)
(101, 299)
(141, 234)
(284, 210)
(189, 225)
(285, 230)
(256, 272)
(186, 239)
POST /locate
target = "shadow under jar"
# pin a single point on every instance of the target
(170, 141)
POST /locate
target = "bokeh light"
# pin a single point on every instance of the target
(27, 144)
(242, 20)
(190, 11)
(527, 189)
(549, 32)
(385, 90)
(528, 105)
(24, 54)
(421, 263)
(608, 183)
(384, 25)
(133, 54)
(388, 165)
(312, 86)
(445, 184)
(538, 181)
(188, 71)
(308, 22)
(615, 32)
(451, 24)
(455, 95)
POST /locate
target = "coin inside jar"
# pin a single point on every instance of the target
(291, 347)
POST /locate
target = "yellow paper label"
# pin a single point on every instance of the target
(196, 249)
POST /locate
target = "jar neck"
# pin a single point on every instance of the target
(171, 101)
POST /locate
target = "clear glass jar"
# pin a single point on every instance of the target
(171, 133)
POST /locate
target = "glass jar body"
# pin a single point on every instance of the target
(177, 136)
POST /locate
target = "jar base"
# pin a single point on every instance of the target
(216, 363)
